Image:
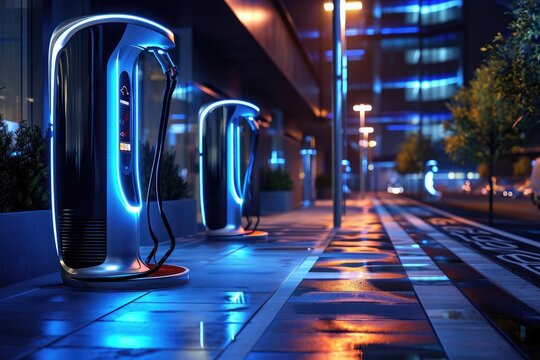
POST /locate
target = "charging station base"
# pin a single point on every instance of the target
(255, 235)
(166, 276)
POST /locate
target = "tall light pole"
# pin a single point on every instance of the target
(339, 95)
(371, 166)
(363, 143)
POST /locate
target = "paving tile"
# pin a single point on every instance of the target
(108, 353)
(352, 311)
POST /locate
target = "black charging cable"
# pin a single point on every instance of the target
(248, 193)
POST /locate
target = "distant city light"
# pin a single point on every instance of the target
(372, 143)
(370, 167)
(350, 5)
(366, 130)
(362, 107)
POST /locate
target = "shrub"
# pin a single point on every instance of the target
(276, 180)
(173, 186)
(23, 168)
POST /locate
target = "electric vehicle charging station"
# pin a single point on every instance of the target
(429, 180)
(222, 191)
(308, 153)
(94, 117)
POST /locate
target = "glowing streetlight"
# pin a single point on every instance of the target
(364, 131)
(350, 5)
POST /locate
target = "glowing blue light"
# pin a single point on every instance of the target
(429, 178)
(402, 127)
(201, 334)
(415, 265)
(308, 152)
(428, 9)
(400, 30)
(127, 341)
(356, 54)
(202, 117)
(424, 9)
(178, 116)
(429, 278)
(425, 84)
(115, 124)
(275, 159)
(238, 298)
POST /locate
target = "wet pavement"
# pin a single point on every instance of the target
(393, 283)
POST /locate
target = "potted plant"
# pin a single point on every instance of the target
(176, 193)
(27, 242)
(323, 185)
(276, 191)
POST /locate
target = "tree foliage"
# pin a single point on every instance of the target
(483, 119)
(23, 168)
(518, 57)
(522, 167)
(413, 154)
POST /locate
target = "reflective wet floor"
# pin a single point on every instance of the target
(389, 284)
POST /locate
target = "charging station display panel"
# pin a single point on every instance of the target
(125, 144)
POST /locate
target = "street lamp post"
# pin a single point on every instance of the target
(364, 131)
(371, 166)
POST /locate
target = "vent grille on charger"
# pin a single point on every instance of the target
(83, 241)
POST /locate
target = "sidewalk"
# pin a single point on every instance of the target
(392, 283)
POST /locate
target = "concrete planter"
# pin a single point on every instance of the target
(276, 201)
(182, 215)
(27, 241)
(27, 246)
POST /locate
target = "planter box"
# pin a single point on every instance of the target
(27, 246)
(276, 201)
(27, 241)
(182, 216)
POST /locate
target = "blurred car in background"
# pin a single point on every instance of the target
(394, 189)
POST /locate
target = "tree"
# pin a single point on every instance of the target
(522, 167)
(413, 154)
(483, 122)
(518, 55)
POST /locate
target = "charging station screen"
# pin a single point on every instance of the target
(124, 128)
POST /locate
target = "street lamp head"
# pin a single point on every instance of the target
(349, 5)
(366, 130)
(362, 107)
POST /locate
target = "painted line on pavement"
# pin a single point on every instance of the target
(503, 278)
(438, 295)
(474, 223)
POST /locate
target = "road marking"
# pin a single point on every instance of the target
(254, 329)
(474, 223)
(477, 338)
(505, 279)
